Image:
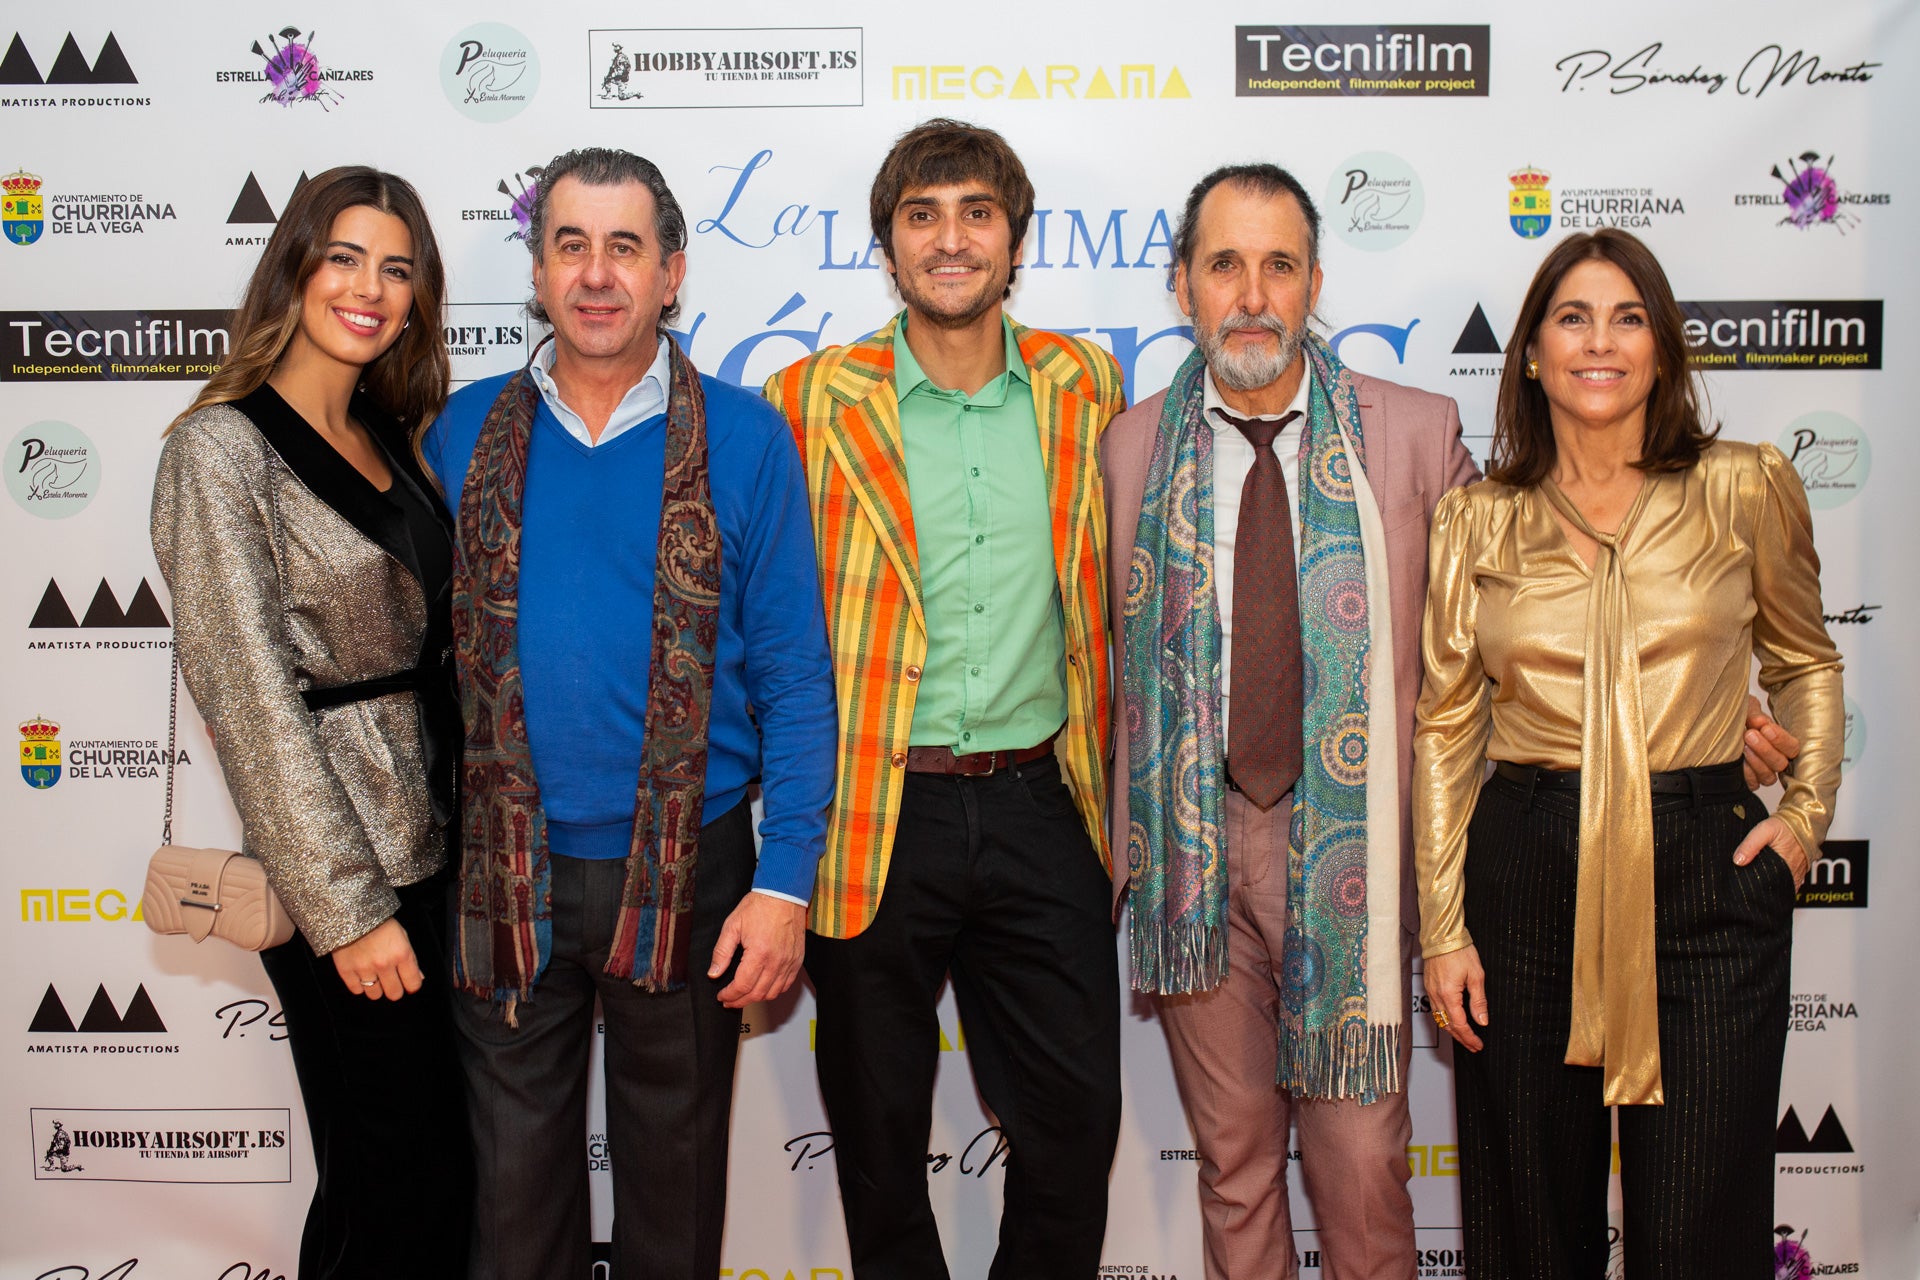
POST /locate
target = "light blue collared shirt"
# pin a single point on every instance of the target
(645, 399)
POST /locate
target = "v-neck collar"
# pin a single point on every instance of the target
(334, 480)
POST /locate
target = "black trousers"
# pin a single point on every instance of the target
(1697, 1173)
(669, 1088)
(382, 1089)
(994, 880)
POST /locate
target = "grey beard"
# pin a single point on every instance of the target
(1252, 369)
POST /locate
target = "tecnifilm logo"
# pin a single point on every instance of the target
(489, 72)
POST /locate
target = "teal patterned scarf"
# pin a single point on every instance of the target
(1337, 1038)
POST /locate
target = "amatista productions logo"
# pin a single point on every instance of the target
(1810, 198)
(489, 72)
(111, 346)
(1360, 61)
(1839, 879)
(192, 1145)
(40, 752)
(1805, 333)
(70, 69)
(291, 72)
(1530, 202)
(1477, 338)
(100, 1018)
(54, 613)
(251, 208)
(632, 69)
(116, 214)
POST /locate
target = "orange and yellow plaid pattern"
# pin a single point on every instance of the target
(846, 420)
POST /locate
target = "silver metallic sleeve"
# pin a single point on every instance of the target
(217, 536)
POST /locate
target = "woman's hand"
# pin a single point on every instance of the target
(379, 964)
(1779, 836)
(1450, 979)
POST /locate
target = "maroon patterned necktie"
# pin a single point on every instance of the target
(1263, 725)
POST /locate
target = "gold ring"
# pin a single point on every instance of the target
(1440, 1018)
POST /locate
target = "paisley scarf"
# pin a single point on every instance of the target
(505, 919)
(1340, 1020)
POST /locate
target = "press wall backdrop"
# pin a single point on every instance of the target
(1764, 149)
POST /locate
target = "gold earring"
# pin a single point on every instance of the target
(1533, 370)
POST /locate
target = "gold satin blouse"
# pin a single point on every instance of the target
(1639, 665)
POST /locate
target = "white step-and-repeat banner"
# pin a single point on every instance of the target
(1764, 149)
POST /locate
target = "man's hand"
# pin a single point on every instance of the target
(1452, 980)
(771, 935)
(1766, 749)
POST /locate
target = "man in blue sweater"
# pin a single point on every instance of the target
(638, 626)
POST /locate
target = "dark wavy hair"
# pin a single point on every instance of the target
(408, 383)
(1677, 432)
(608, 167)
(943, 152)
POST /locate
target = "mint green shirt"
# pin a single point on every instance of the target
(995, 677)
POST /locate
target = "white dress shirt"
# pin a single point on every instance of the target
(644, 399)
(1232, 460)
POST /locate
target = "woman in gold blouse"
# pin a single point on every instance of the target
(1592, 615)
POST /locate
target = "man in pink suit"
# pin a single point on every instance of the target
(1247, 274)
(1282, 980)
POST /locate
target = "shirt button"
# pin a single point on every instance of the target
(979, 538)
(913, 673)
(976, 471)
(974, 670)
(966, 737)
(1073, 659)
(899, 759)
(979, 608)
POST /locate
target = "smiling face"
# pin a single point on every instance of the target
(600, 275)
(1596, 349)
(953, 253)
(354, 306)
(1249, 285)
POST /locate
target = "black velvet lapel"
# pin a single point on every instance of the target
(330, 477)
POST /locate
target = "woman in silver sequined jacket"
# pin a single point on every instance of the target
(310, 564)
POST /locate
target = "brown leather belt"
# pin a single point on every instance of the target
(976, 764)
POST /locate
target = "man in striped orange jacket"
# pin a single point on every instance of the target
(952, 466)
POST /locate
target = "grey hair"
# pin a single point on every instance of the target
(1266, 180)
(608, 167)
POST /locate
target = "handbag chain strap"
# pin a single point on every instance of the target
(173, 711)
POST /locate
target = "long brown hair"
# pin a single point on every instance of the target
(408, 383)
(1677, 431)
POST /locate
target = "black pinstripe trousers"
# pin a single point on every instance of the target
(1697, 1173)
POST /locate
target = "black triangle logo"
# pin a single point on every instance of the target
(144, 609)
(1477, 339)
(18, 67)
(53, 611)
(1829, 1138)
(100, 1015)
(252, 205)
(105, 610)
(1791, 1137)
(140, 1014)
(51, 1015)
(69, 66)
(111, 67)
(298, 186)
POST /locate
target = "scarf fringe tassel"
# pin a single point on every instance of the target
(1331, 1064)
(1179, 959)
